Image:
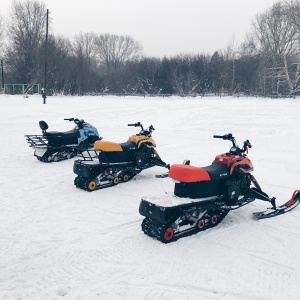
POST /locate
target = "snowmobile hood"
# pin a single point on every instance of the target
(141, 139)
(187, 173)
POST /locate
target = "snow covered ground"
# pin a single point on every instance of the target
(59, 242)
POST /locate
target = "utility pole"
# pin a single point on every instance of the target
(44, 90)
(2, 75)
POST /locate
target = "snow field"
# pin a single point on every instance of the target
(59, 242)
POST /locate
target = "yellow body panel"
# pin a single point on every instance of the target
(141, 139)
(107, 146)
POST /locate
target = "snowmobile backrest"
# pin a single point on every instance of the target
(43, 125)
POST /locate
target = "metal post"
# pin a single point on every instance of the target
(2, 74)
(44, 92)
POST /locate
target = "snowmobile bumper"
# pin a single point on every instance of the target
(40, 151)
(86, 169)
(156, 212)
(162, 208)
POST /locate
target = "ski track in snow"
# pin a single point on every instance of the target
(59, 242)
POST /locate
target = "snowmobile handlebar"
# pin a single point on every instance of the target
(226, 137)
(138, 124)
(235, 148)
(76, 121)
(143, 132)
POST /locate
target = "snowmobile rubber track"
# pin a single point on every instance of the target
(55, 158)
(84, 183)
(130, 172)
(157, 230)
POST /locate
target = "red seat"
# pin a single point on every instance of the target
(187, 173)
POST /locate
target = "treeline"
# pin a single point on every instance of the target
(267, 63)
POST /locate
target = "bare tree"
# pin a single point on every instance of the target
(26, 34)
(230, 56)
(277, 38)
(293, 7)
(1, 33)
(84, 51)
(114, 50)
(184, 80)
(84, 45)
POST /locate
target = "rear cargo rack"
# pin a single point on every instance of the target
(89, 155)
(36, 140)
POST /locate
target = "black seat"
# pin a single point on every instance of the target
(217, 171)
(57, 139)
(125, 156)
(74, 133)
(128, 146)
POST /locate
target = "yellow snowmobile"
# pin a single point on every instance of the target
(111, 163)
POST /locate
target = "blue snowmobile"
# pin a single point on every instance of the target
(53, 146)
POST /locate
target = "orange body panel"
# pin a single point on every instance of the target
(231, 161)
(140, 139)
(187, 173)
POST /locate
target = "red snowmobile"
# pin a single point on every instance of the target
(204, 196)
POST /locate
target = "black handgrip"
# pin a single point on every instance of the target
(135, 124)
(248, 144)
(69, 119)
(225, 137)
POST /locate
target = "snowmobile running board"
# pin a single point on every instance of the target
(164, 175)
(276, 211)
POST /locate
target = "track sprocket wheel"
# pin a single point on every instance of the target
(126, 177)
(201, 224)
(214, 219)
(91, 186)
(168, 235)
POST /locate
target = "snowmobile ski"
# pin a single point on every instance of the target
(276, 211)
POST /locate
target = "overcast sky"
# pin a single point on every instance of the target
(164, 27)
